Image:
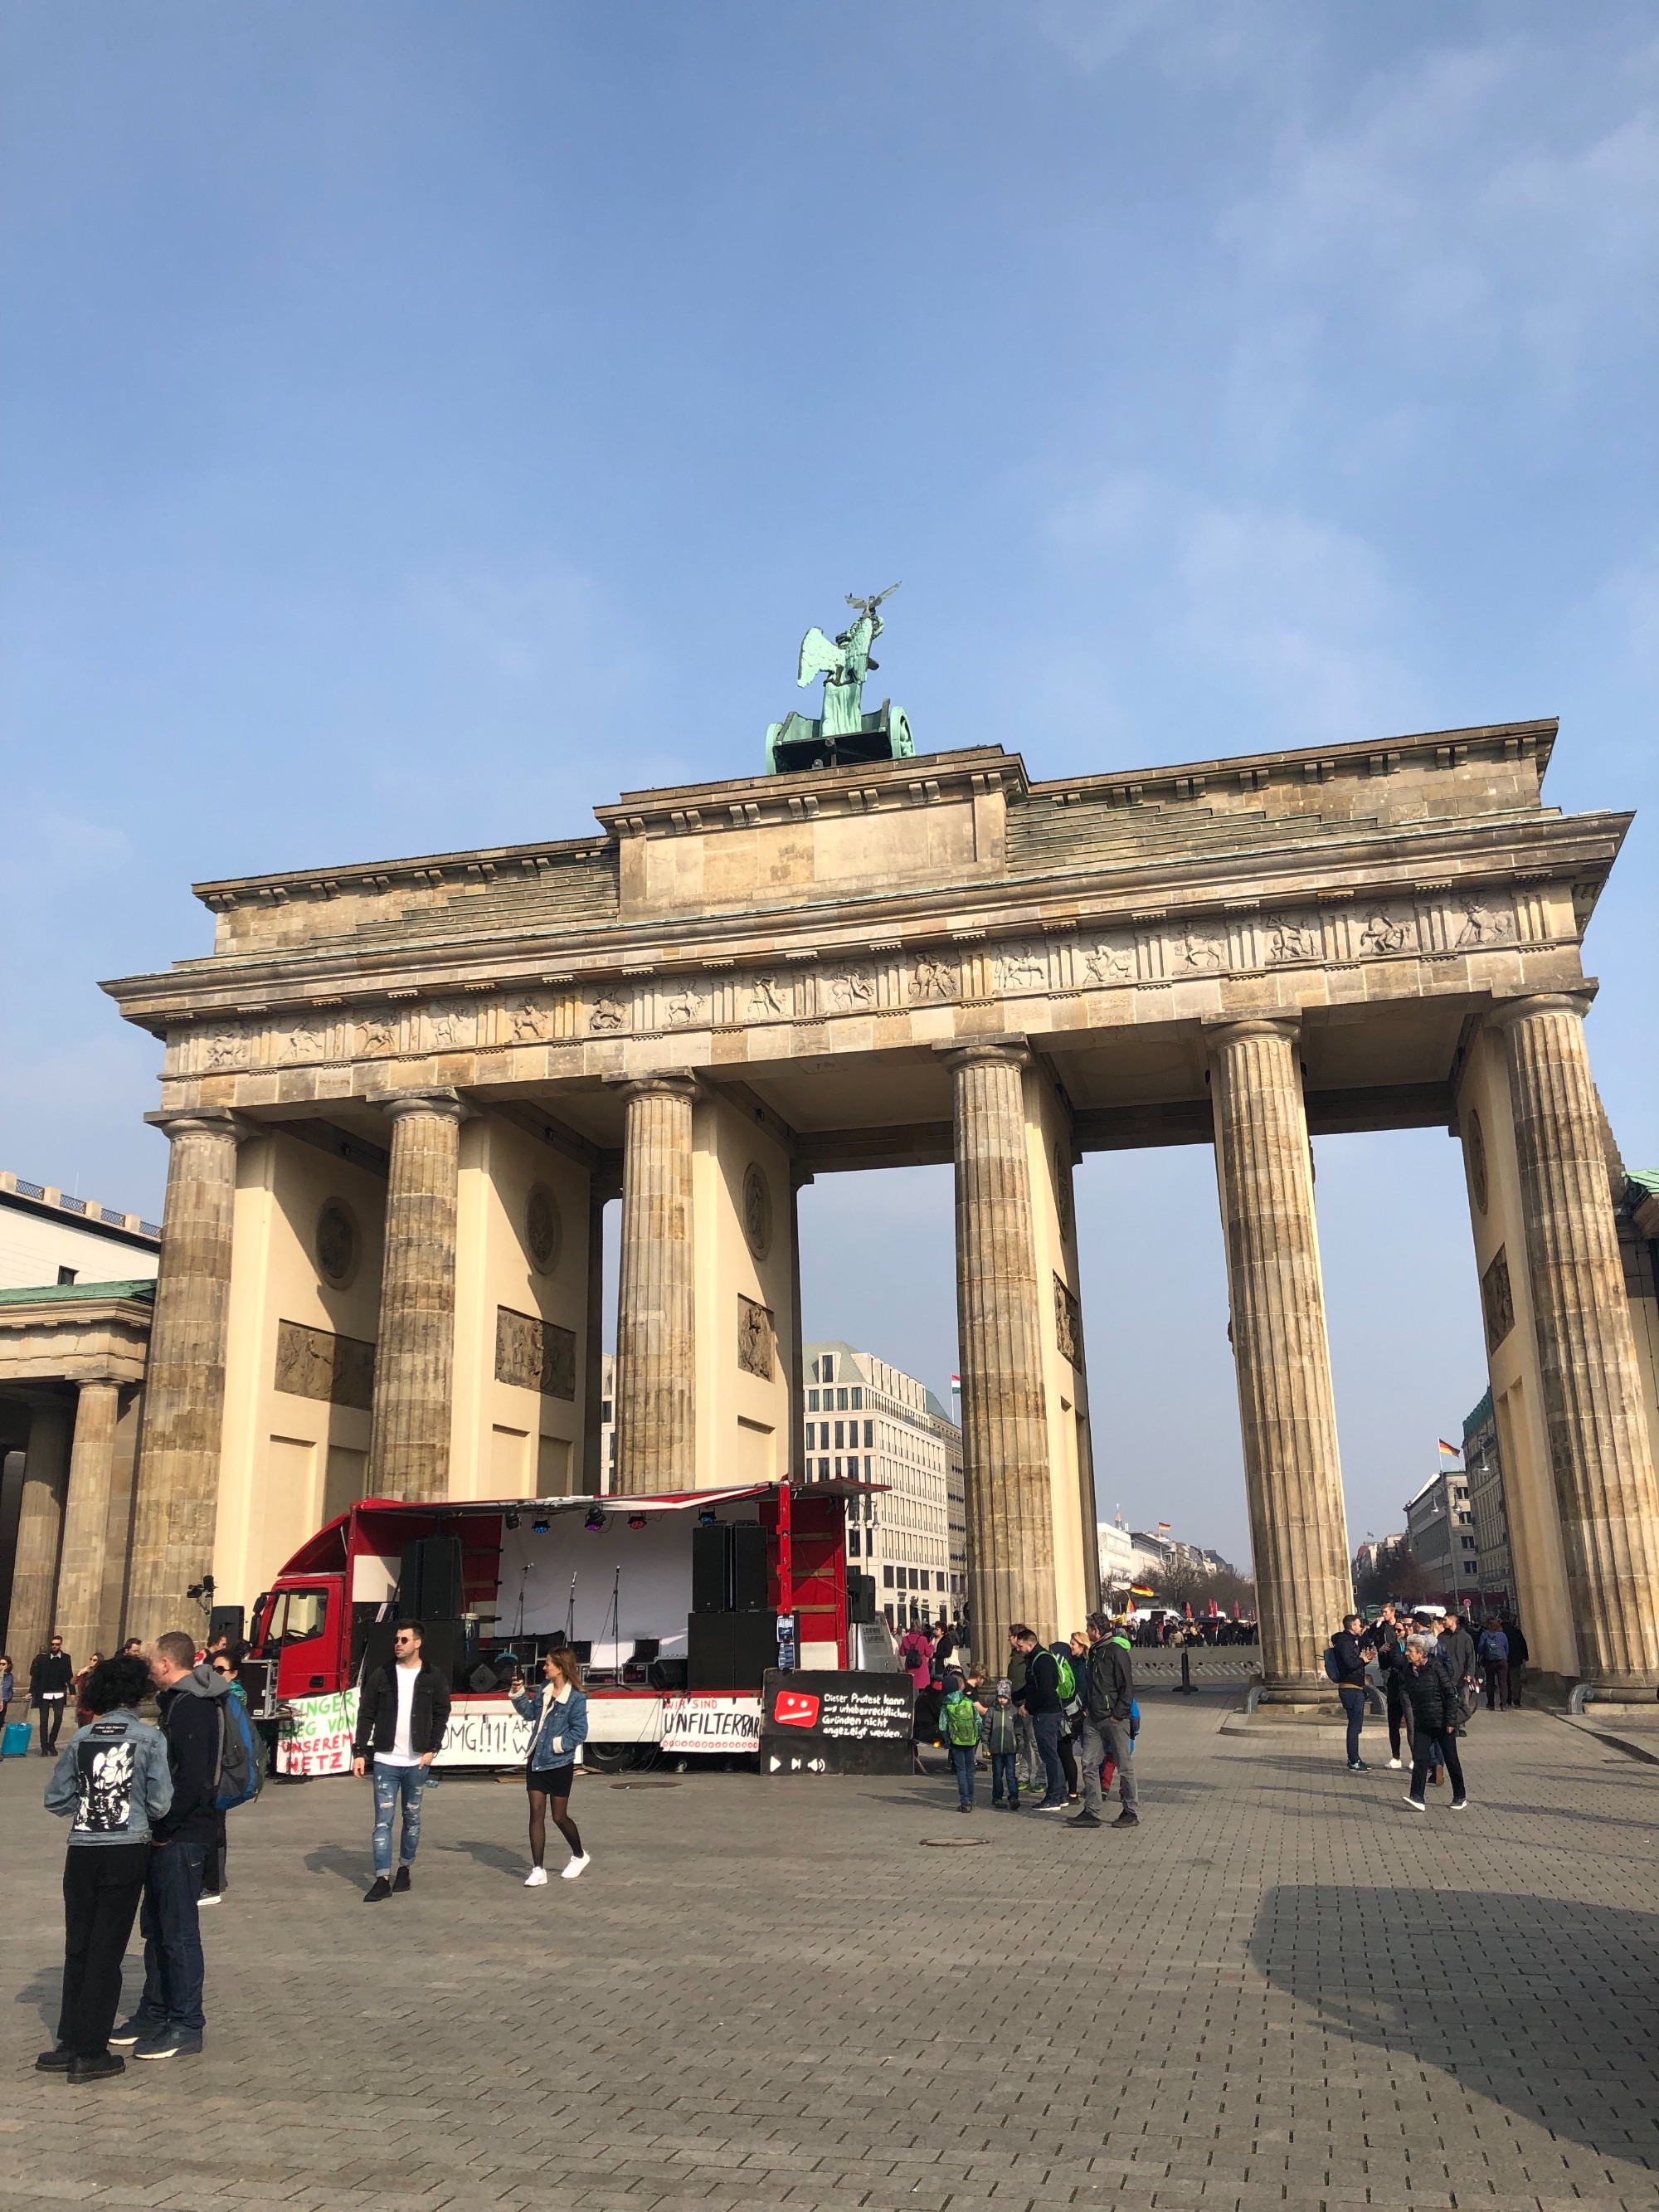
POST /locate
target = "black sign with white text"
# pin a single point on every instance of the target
(832, 1723)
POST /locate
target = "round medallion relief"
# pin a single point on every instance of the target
(339, 1245)
(757, 1210)
(543, 1231)
(1474, 1151)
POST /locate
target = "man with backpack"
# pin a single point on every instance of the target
(1045, 1708)
(1108, 1698)
(207, 1761)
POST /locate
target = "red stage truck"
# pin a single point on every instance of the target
(676, 1604)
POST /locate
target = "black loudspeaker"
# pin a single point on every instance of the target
(227, 1620)
(709, 1568)
(668, 1673)
(708, 1651)
(429, 1585)
(860, 1599)
(754, 1648)
(447, 1646)
(748, 1567)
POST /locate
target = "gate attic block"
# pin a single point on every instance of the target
(733, 988)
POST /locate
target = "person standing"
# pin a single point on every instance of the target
(113, 1777)
(558, 1722)
(1043, 1707)
(215, 1876)
(1457, 1657)
(1387, 1636)
(1002, 1743)
(916, 1653)
(170, 2021)
(1109, 1697)
(1029, 1763)
(1493, 1652)
(1434, 1708)
(1350, 1648)
(8, 1686)
(401, 1718)
(51, 1677)
(959, 1719)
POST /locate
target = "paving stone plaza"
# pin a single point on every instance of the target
(1284, 1990)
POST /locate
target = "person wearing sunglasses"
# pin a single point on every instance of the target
(401, 1718)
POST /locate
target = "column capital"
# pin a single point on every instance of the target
(978, 1052)
(671, 1083)
(1578, 1000)
(442, 1105)
(201, 1122)
(1233, 1028)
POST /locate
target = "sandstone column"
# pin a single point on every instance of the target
(178, 1479)
(1287, 1410)
(40, 1528)
(86, 1519)
(1005, 1437)
(1600, 1455)
(656, 1436)
(415, 1351)
(593, 1469)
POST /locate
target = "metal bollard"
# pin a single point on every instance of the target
(1185, 1688)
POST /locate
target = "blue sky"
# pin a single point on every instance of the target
(422, 421)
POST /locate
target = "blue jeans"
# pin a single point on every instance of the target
(962, 1758)
(173, 1940)
(391, 1784)
(1353, 1703)
(1004, 1778)
(1046, 1728)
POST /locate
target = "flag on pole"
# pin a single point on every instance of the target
(1452, 1451)
(956, 1382)
(1163, 1528)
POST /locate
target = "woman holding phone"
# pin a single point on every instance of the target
(557, 1714)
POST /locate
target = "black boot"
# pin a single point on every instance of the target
(378, 1889)
(400, 1882)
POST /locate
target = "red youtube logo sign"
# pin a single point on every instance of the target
(796, 1709)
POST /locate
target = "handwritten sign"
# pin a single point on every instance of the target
(711, 1725)
(315, 1736)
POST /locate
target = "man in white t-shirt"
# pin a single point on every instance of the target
(401, 1718)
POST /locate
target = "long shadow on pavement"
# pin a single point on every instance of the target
(1545, 2005)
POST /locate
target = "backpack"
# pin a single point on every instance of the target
(961, 1721)
(1333, 1672)
(1065, 1685)
(241, 1769)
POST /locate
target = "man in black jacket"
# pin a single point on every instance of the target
(1435, 1706)
(401, 1718)
(1041, 1698)
(170, 2022)
(1107, 1694)
(1351, 1647)
(1389, 1639)
(51, 1677)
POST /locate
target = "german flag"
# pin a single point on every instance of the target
(1141, 1589)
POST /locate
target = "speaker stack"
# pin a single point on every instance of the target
(731, 1635)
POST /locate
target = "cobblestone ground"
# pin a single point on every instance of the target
(1284, 1990)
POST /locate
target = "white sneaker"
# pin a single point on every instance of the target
(1417, 1804)
(575, 1867)
(1395, 1764)
(536, 1879)
(208, 1897)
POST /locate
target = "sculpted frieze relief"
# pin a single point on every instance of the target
(527, 1021)
(765, 999)
(1105, 960)
(849, 990)
(449, 1028)
(934, 979)
(1022, 967)
(686, 1008)
(1477, 919)
(606, 1014)
(1386, 931)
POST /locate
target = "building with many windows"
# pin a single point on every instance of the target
(1440, 1522)
(1483, 1472)
(868, 1422)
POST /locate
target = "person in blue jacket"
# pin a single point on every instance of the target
(557, 1714)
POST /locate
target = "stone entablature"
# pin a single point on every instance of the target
(1471, 890)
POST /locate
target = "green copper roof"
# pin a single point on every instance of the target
(1646, 1179)
(64, 1294)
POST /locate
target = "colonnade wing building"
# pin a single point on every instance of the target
(400, 1094)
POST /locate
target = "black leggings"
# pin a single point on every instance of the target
(539, 1802)
(1068, 1763)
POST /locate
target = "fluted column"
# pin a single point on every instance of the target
(656, 1436)
(1005, 1437)
(1600, 1455)
(86, 1517)
(1287, 1410)
(40, 1529)
(177, 1483)
(593, 1472)
(415, 1350)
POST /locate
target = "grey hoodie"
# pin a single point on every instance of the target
(112, 1775)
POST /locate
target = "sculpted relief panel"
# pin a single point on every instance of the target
(534, 1354)
(314, 1362)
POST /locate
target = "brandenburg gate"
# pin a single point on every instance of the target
(400, 1094)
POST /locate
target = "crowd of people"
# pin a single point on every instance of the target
(1432, 1670)
(1061, 1721)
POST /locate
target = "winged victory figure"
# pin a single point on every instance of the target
(845, 733)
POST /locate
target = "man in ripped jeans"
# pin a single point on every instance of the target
(401, 1718)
